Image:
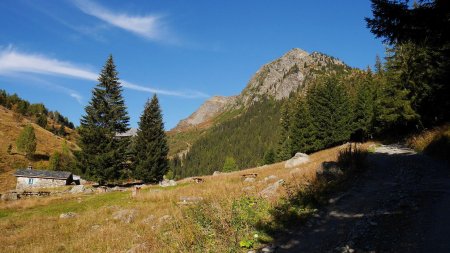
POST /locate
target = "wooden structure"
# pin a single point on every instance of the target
(198, 180)
(250, 175)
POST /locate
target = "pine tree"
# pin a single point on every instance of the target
(364, 113)
(330, 110)
(284, 144)
(269, 157)
(27, 141)
(302, 130)
(151, 145)
(102, 154)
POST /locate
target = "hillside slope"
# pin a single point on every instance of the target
(246, 126)
(10, 127)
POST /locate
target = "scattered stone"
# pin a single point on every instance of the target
(216, 173)
(249, 180)
(125, 216)
(198, 180)
(189, 200)
(138, 248)
(271, 189)
(271, 177)
(95, 227)
(373, 223)
(165, 218)
(268, 249)
(68, 215)
(149, 219)
(299, 158)
(88, 190)
(248, 188)
(77, 189)
(117, 189)
(167, 183)
(10, 196)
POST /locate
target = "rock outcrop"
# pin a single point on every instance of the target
(299, 158)
(207, 111)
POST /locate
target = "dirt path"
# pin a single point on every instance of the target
(400, 204)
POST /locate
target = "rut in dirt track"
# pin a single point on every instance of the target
(401, 203)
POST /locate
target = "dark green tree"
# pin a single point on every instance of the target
(42, 121)
(269, 157)
(330, 110)
(102, 155)
(303, 132)
(425, 66)
(284, 150)
(364, 112)
(151, 145)
(27, 141)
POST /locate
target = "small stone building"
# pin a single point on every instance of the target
(30, 178)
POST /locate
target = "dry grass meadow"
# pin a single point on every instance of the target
(230, 216)
(10, 126)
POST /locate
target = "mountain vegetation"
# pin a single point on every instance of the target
(27, 141)
(150, 145)
(36, 112)
(102, 156)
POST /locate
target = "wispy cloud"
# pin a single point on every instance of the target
(13, 62)
(150, 26)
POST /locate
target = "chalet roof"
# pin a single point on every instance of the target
(129, 133)
(43, 174)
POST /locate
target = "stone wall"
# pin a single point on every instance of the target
(26, 182)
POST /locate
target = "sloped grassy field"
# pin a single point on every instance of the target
(226, 220)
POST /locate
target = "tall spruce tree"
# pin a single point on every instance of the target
(330, 109)
(303, 132)
(364, 113)
(102, 155)
(284, 144)
(151, 145)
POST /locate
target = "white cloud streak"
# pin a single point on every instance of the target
(14, 62)
(148, 26)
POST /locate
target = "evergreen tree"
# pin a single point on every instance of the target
(27, 141)
(330, 110)
(284, 145)
(229, 165)
(364, 113)
(55, 161)
(269, 157)
(302, 129)
(151, 145)
(102, 155)
(42, 121)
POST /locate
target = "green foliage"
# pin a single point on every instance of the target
(229, 165)
(151, 145)
(270, 156)
(24, 108)
(26, 142)
(102, 155)
(246, 137)
(169, 175)
(55, 161)
(248, 244)
(303, 132)
(330, 110)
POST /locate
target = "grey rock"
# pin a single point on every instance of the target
(248, 188)
(167, 183)
(125, 216)
(298, 159)
(270, 190)
(249, 180)
(216, 173)
(269, 178)
(268, 249)
(165, 218)
(77, 189)
(68, 215)
(10, 196)
(149, 219)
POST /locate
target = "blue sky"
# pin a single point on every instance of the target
(185, 51)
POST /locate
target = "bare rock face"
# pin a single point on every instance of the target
(208, 110)
(299, 158)
(277, 79)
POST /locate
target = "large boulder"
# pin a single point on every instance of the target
(299, 158)
(167, 183)
(216, 173)
(77, 189)
(270, 190)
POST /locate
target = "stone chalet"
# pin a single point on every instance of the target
(30, 178)
(130, 133)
